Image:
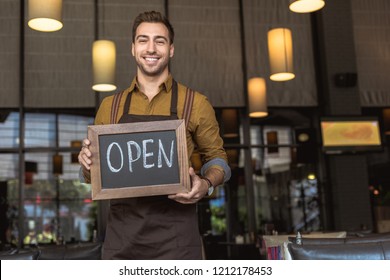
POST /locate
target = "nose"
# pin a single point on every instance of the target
(151, 47)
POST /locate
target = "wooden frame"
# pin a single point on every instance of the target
(99, 193)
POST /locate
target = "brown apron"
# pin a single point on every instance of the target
(153, 227)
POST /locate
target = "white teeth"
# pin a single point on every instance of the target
(151, 59)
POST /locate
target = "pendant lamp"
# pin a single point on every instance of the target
(57, 164)
(306, 6)
(257, 98)
(45, 15)
(230, 123)
(272, 140)
(103, 61)
(280, 49)
(74, 156)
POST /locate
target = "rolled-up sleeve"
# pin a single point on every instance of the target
(207, 138)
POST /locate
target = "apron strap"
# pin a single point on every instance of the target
(115, 107)
(188, 105)
(186, 111)
(126, 109)
(174, 98)
(173, 108)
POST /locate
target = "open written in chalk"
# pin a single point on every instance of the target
(138, 159)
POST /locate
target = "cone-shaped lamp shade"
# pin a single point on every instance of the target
(229, 123)
(45, 15)
(103, 60)
(257, 95)
(306, 6)
(57, 164)
(74, 158)
(280, 49)
(272, 139)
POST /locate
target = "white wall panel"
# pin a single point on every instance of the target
(372, 44)
(9, 53)
(208, 49)
(58, 64)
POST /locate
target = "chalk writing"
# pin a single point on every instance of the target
(139, 158)
(138, 152)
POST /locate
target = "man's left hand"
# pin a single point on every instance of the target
(198, 191)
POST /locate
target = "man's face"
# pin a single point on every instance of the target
(151, 48)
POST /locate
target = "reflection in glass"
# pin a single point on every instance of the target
(55, 207)
(9, 130)
(39, 130)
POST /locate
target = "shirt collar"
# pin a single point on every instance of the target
(167, 85)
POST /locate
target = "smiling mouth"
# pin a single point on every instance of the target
(151, 59)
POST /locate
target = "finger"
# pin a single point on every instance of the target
(86, 151)
(182, 200)
(191, 196)
(84, 160)
(83, 163)
(192, 172)
(86, 142)
(180, 196)
(195, 179)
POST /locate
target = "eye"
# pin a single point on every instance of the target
(160, 42)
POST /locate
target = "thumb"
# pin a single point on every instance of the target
(192, 172)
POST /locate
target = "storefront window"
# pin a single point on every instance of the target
(9, 131)
(57, 207)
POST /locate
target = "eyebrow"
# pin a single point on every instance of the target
(155, 38)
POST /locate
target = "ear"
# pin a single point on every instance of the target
(171, 50)
(132, 49)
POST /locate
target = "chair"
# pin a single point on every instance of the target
(274, 248)
(371, 247)
(351, 251)
(81, 251)
(16, 254)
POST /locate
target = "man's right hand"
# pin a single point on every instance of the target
(85, 155)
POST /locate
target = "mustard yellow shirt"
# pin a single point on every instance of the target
(202, 130)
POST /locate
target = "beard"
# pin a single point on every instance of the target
(154, 70)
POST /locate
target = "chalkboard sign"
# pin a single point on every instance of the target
(138, 159)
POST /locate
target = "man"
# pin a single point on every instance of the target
(160, 227)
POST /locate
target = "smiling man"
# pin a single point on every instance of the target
(152, 51)
(160, 227)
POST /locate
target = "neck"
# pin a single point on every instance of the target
(150, 84)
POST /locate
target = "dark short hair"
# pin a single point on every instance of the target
(153, 17)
